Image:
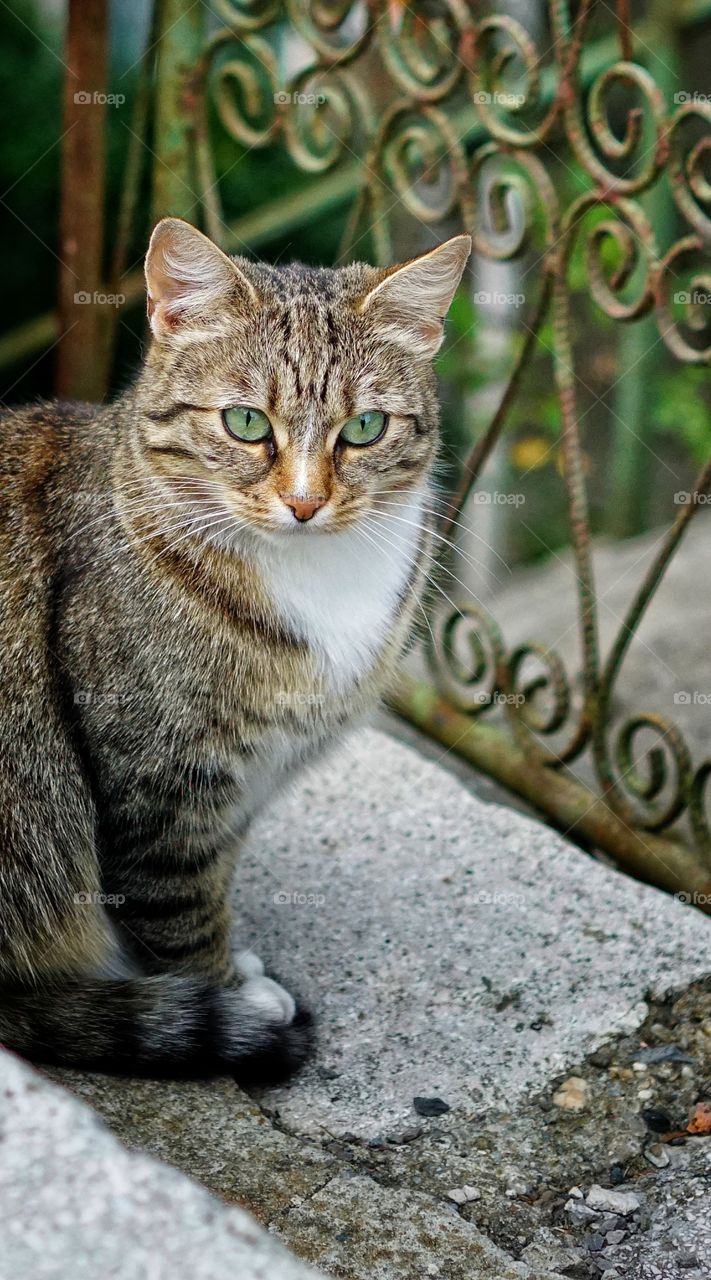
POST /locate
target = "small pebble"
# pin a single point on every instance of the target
(615, 1237)
(577, 1209)
(430, 1106)
(595, 1242)
(657, 1120)
(645, 1094)
(664, 1053)
(624, 1073)
(657, 1155)
(603, 1056)
(605, 1200)
(464, 1195)
(573, 1094)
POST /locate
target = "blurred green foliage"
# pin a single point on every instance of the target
(32, 73)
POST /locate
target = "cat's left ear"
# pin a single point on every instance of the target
(190, 281)
(409, 304)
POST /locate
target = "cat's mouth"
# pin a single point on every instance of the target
(329, 522)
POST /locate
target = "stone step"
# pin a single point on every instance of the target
(462, 959)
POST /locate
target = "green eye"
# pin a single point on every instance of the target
(365, 429)
(246, 424)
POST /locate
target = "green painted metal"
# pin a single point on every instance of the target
(634, 457)
(180, 37)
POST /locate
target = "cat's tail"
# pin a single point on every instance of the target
(164, 1024)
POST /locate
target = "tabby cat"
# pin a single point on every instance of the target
(201, 585)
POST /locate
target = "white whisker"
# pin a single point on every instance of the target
(464, 528)
(360, 532)
(445, 568)
(428, 577)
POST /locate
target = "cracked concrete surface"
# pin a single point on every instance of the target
(465, 956)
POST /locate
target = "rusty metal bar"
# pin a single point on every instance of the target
(82, 353)
(568, 805)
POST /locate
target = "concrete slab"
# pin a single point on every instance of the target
(451, 949)
(463, 960)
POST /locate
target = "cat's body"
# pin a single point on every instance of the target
(169, 656)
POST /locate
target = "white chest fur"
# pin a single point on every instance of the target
(339, 591)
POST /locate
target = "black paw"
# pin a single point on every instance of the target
(282, 1051)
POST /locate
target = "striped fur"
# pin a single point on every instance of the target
(174, 645)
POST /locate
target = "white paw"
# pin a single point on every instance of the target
(269, 998)
(248, 965)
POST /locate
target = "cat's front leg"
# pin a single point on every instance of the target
(173, 911)
(172, 907)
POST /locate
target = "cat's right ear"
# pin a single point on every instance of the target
(190, 281)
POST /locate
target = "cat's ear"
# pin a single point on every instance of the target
(410, 302)
(190, 280)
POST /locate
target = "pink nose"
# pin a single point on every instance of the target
(303, 508)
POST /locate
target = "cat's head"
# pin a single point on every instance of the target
(290, 398)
